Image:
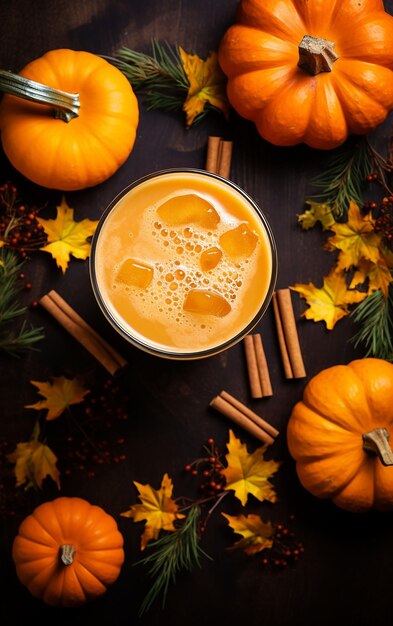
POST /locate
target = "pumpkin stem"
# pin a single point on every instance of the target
(66, 105)
(67, 553)
(316, 55)
(377, 442)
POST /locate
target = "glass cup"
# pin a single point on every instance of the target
(183, 263)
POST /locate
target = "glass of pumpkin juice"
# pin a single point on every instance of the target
(183, 263)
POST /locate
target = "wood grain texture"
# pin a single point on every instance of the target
(347, 567)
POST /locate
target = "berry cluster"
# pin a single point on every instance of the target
(286, 549)
(95, 436)
(209, 467)
(19, 227)
(384, 221)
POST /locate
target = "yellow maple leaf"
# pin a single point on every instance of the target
(67, 237)
(248, 473)
(355, 239)
(330, 302)
(318, 212)
(34, 461)
(157, 508)
(257, 534)
(207, 85)
(378, 275)
(59, 394)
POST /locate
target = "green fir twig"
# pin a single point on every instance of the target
(374, 315)
(175, 551)
(12, 341)
(345, 176)
(161, 76)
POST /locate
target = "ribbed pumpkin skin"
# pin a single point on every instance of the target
(88, 149)
(325, 434)
(98, 558)
(259, 54)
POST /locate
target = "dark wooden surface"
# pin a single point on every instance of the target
(347, 569)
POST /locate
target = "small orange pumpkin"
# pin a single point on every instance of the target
(70, 152)
(310, 71)
(338, 435)
(68, 551)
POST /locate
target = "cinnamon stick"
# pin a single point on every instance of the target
(219, 156)
(287, 334)
(263, 370)
(213, 154)
(257, 368)
(241, 415)
(224, 168)
(252, 367)
(82, 332)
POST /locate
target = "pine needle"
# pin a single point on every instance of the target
(13, 341)
(172, 553)
(344, 177)
(374, 315)
(161, 76)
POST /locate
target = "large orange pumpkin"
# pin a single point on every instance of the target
(310, 71)
(338, 434)
(68, 551)
(70, 152)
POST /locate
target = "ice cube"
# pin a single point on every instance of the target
(210, 258)
(134, 273)
(239, 242)
(188, 209)
(206, 302)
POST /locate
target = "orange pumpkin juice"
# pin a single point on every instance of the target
(183, 263)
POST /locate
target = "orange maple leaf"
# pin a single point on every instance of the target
(207, 85)
(356, 239)
(59, 394)
(330, 302)
(249, 473)
(378, 274)
(157, 508)
(317, 212)
(67, 237)
(257, 534)
(34, 461)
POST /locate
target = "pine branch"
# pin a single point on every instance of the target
(174, 552)
(11, 341)
(345, 175)
(374, 315)
(161, 76)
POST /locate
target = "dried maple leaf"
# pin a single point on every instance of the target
(207, 85)
(378, 275)
(257, 534)
(330, 302)
(59, 394)
(248, 473)
(67, 237)
(318, 212)
(356, 239)
(157, 508)
(34, 461)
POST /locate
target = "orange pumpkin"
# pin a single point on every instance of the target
(338, 434)
(310, 71)
(79, 150)
(68, 551)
